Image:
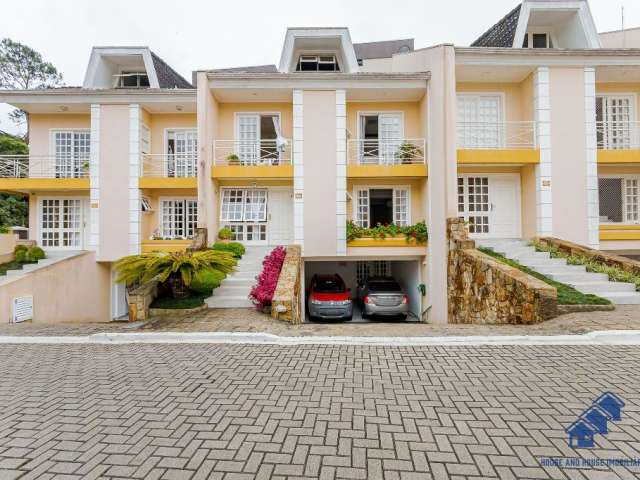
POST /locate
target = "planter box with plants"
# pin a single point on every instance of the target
(22, 255)
(387, 235)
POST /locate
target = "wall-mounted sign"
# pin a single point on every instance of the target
(546, 183)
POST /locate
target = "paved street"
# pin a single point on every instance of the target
(233, 411)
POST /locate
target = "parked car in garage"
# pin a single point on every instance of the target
(329, 298)
(384, 296)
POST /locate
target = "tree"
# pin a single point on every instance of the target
(21, 67)
(10, 145)
(14, 210)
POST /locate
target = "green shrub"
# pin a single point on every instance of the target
(20, 256)
(234, 247)
(206, 281)
(20, 248)
(35, 253)
(225, 234)
(4, 229)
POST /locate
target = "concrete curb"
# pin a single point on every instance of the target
(608, 337)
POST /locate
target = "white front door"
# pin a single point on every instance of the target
(280, 217)
(490, 204)
(61, 223)
(389, 135)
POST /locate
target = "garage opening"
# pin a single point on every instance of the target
(364, 291)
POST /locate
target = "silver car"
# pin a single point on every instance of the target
(384, 296)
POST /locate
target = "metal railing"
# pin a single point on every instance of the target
(251, 153)
(615, 135)
(169, 165)
(402, 151)
(497, 135)
(44, 166)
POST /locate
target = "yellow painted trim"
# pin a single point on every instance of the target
(164, 245)
(362, 171)
(258, 171)
(162, 182)
(619, 232)
(618, 156)
(49, 184)
(498, 156)
(383, 242)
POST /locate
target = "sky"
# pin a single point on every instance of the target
(196, 34)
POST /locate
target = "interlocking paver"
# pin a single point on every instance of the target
(232, 411)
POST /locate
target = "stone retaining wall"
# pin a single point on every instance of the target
(485, 291)
(140, 301)
(609, 259)
(286, 299)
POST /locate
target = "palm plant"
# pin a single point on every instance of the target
(177, 269)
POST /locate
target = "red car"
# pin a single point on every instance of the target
(329, 298)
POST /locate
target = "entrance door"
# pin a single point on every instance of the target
(61, 223)
(490, 204)
(280, 217)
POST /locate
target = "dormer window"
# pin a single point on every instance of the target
(537, 40)
(132, 80)
(317, 63)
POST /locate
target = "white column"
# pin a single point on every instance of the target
(341, 171)
(94, 181)
(298, 169)
(134, 176)
(542, 105)
(593, 201)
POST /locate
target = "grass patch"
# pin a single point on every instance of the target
(170, 303)
(4, 267)
(567, 295)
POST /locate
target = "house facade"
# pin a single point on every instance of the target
(530, 131)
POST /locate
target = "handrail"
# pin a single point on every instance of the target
(401, 151)
(44, 166)
(169, 165)
(252, 152)
(618, 135)
(497, 135)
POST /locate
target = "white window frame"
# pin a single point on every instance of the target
(317, 57)
(355, 202)
(52, 148)
(236, 134)
(633, 100)
(165, 164)
(502, 96)
(624, 178)
(382, 159)
(548, 31)
(244, 203)
(185, 200)
(81, 230)
(145, 138)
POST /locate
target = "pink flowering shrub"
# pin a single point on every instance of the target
(262, 292)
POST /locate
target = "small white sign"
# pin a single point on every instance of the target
(22, 308)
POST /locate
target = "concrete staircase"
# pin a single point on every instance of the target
(52, 257)
(618, 293)
(234, 290)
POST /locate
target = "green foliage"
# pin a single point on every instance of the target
(233, 159)
(567, 295)
(4, 267)
(615, 274)
(225, 233)
(182, 266)
(35, 253)
(236, 248)
(14, 210)
(4, 229)
(207, 281)
(20, 256)
(24, 254)
(12, 146)
(417, 232)
(409, 153)
(20, 248)
(169, 303)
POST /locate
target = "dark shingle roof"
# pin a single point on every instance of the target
(502, 33)
(384, 49)
(167, 76)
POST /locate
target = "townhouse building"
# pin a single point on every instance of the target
(530, 131)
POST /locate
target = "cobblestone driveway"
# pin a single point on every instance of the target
(223, 411)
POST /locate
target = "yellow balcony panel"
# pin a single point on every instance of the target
(498, 156)
(382, 171)
(164, 245)
(619, 156)
(48, 184)
(252, 171)
(384, 242)
(169, 183)
(619, 232)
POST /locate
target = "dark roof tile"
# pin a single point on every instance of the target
(167, 76)
(502, 33)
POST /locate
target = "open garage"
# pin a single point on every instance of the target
(409, 274)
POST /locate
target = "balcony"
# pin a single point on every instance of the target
(386, 158)
(618, 142)
(169, 170)
(44, 172)
(497, 143)
(252, 159)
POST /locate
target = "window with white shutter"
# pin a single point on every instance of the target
(179, 218)
(72, 153)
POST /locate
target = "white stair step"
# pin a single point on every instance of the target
(530, 255)
(570, 277)
(561, 269)
(234, 281)
(249, 274)
(247, 267)
(232, 290)
(228, 302)
(622, 298)
(542, 262)
(598, 288)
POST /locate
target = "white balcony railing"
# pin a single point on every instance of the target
(251, 153)
(497, 135)
(169, 165)
(44, 166)
(618, 135)
(386, 152)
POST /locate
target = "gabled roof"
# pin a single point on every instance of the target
(384, 49)
(502, 33)
(167, 76)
